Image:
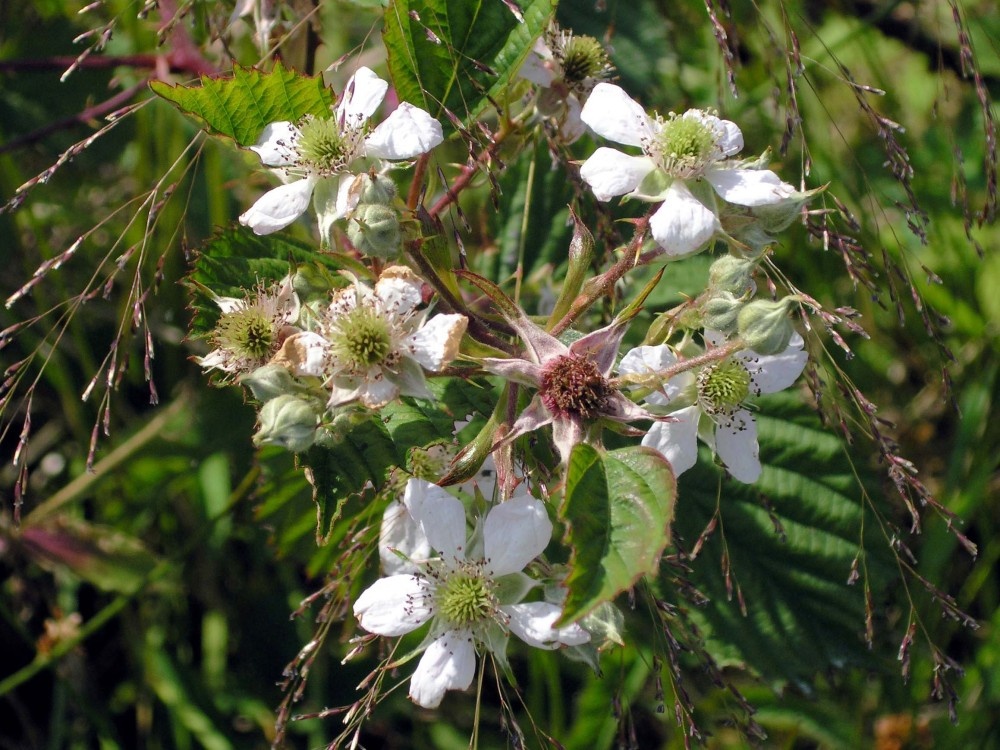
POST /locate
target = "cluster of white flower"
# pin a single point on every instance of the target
(365, 346)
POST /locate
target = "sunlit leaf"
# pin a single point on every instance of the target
(240, 107)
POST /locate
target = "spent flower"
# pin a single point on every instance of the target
(373, 345)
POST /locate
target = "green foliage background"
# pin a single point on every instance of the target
(191, 554)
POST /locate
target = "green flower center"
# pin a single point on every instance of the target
(362, 339)
(247, 333)
(583, 57)
(322, 145)
(723, 387)
(573, 386)
(684, 146)
(465, 599)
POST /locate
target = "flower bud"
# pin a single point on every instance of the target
(377, 189)
(764, 326)
(374, 229)
(731, 274)
(287, 421)
(720, 312)
(269, 381)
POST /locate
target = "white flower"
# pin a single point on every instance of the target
(676, 150)
(313, 156)
(567, 68)
(718, 413)
(250, 330)
(469, 590)
(373, 345)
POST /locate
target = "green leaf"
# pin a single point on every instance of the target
(619, 506)
(788, 560)
(458, 55)
(240, 107)
(236, 260)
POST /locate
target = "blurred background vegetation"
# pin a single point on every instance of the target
(146, 603)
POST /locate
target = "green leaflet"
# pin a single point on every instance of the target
(457, 55)
(800, 618)
(619, 506)
(240, 107)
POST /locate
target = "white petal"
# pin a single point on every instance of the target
(278, 208)
(375, 392)
(399, 291)
(327, 203)
(613, 114)
(646, 360)
(736, 444)
(610, 172)
(407, 132)
(776, 372)
(537, 66)
(532, 623)
(573, 127)
(435, 344)
(732, 140)
(683, 224)
(400, 531)
(449, 663)
(304, 354)
(442, 517)
(677, 441)
(395, 605)
(515, 533)
(277, 145)
(749, 187)
(364, 92)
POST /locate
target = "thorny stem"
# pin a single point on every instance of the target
(603, 284)
(416, 184)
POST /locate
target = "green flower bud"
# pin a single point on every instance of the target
(377, 189)
(287, 421)
(775, 217)
(269, 381)
(731, 274)
(720, 312)
(374, 229)
(764, 325)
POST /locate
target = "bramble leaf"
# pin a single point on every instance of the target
(240, 107)
(619, 506)
(458, 55)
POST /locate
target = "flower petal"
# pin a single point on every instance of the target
(361, 97)
(573, 127)
(515, 533)
(399, 291)
(776, 372)
(449, 663)
(678, 440)
(329, 200)
(648, 360)
(277, 145)
(278, 208)
(749, 187)
(395, 605)
(613, 114)
(407, 132)
(409, 378)
(532, 623)
(435, 343)
(304, 354)
(683, 224)
(736, 444)
(537, 66)
(400, 532)
(375, 391)
(610, 172)
(442, 517)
